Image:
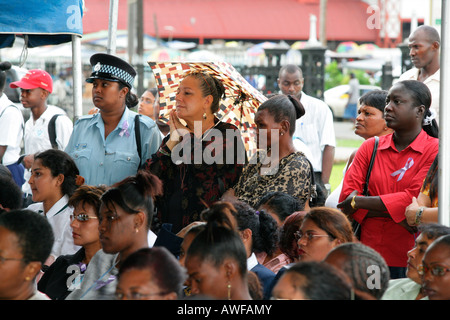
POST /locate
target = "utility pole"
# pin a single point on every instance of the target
(136, 40)
(323, 22)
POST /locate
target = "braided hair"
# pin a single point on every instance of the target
(358, 262)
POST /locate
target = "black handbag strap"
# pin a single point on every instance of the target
(369, 170)
(137, 134)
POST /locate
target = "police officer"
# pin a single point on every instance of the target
(106, 145)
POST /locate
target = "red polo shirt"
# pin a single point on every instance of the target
(396, 177)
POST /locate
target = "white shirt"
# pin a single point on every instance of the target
(11, 130)
(315, 128)
(59, 218)
(36, 132)
(432, 82)
(37, 138)
(252, 261)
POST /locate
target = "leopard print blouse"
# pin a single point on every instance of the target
(292, 176)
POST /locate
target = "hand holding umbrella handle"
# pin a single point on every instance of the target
(175, 133)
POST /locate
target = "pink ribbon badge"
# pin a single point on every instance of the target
(409, 163)
(124, 129)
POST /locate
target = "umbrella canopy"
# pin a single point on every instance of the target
(347, 46)
(368, 47)
(239, 107)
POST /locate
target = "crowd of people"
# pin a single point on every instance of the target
(115, 206)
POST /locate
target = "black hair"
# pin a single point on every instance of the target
(432, 178)
(263, 226)
(153, 91)
(10, 193)
(433, 230)
(431, 33)
(282, 107)
(422, 96)
(166, 271)
(442, 240)
(5, 65)
(320, 281)
(210, 86)
(290, 68)
(33, 231)
(374, 98)
(359, 259)
(131, 99)
(59, 162)
(135, 194)
(215, 243)
(281, 203)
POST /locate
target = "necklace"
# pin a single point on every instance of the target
(207, 131)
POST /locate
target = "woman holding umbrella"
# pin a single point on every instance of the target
(198, 160)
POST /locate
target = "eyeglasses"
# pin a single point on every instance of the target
(309, 236)
(3, 259)
(137, 295)
(437, 271)
(82, 217)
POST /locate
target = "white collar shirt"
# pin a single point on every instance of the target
(59, 218)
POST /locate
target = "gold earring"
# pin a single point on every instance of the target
(229, 289)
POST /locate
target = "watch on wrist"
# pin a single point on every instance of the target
(419, 213)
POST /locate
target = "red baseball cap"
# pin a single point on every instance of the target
(35, 78)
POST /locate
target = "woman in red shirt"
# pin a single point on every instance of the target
(402, 161)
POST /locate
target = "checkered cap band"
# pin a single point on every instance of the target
(115, 72)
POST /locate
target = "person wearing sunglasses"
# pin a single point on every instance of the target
(67, 271)
(410, 288)
(124, 222)
(435, 269)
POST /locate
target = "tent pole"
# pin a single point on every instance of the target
(112, 28)
(444, 114)
(77, 72)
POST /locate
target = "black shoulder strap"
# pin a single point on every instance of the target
(137, 133)
(369, 170)
(52, 131)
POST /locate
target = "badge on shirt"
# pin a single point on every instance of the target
(80, 146)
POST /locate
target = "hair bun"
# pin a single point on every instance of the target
(299, 109)
(5, 65)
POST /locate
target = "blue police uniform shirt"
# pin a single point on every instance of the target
(110, 160)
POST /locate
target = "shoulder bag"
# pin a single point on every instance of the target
(356, 226)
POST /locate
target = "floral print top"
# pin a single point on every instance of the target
(292, 176)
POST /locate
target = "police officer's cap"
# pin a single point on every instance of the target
(111, 68)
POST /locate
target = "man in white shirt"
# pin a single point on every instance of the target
(35, 87)
(11, 131)
(315, 128)
(424, 45)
